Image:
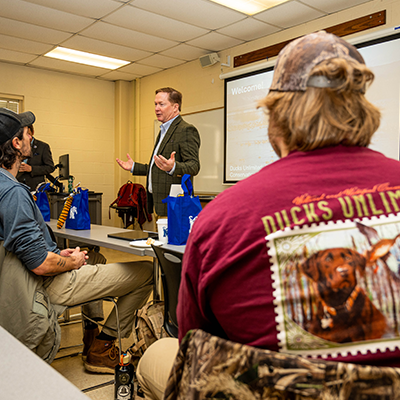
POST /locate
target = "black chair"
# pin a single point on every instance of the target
(171, 265)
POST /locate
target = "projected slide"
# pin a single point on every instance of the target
(247, 148)
(247, 145)
(384, 61)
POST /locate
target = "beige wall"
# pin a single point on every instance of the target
(96, 121)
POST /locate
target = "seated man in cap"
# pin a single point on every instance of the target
(320, 125)
(36, 278)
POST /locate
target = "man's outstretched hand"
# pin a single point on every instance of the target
(127, 165)
(163, 163)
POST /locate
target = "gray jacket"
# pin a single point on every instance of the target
(26, 311)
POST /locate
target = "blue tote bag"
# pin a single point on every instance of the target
(78, 216)
(182, 211)
(42, 201)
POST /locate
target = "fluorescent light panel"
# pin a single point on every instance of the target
(249, 7)
(82, 57)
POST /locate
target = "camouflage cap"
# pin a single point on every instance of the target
(299, 57)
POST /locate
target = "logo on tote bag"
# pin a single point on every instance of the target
(73, 212)
(191, 222)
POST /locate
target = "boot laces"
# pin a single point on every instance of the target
(113, 352)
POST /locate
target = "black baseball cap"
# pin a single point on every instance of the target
(11, 123)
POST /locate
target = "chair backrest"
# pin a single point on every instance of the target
(171, 265)
(53, 236)
(208, 367)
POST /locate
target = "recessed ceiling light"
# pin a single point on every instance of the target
(82, 57)
(249, 7)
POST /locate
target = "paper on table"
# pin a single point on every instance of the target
(142, 243)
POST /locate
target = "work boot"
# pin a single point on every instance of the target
(102, 357)
(88, 338)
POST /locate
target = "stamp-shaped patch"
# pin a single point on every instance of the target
(337, 287)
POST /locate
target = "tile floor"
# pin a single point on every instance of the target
(95, 386)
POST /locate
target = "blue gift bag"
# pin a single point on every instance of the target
(182, 211)
(78, 216)
(42, 201)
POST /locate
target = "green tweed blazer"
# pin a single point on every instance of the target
(184, 139)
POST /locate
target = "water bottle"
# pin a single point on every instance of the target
(124, 374)
(70, 184)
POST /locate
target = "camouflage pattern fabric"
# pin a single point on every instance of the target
(300, 56)
(208, 367)
(147, 328)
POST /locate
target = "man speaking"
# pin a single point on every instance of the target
(176, 151)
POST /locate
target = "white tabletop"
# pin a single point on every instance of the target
(24, 375)
(97, 236)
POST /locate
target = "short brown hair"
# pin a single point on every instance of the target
(174, 96)
(322, 117)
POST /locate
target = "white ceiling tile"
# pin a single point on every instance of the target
(105, 49)
(145, 21)
(248, 29)
(15, 56)
(215, 42)
(126, 37)
(38, 15)
(66, 66)
(160, 61)
(202, 13)
(289, 14)
(87, 8)
(118, 76)
(26, 46)
(140, 70)
(33, 32)
(184, 52)
(330, 6)
(152, 34)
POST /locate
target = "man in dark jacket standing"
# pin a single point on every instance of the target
(34, 169)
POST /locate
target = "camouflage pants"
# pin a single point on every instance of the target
(208, 367)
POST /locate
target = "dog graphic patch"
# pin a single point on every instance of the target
(337, 286)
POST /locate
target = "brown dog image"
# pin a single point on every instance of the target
(344, 313)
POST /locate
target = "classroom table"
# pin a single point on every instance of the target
(25, 375)
(97, 236)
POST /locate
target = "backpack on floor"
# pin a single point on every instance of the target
(147, 328)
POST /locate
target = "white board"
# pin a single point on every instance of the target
(210, 125)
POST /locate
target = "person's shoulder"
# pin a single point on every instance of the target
(12, 189)
(182, 124)
(41, 143)
(179, 120)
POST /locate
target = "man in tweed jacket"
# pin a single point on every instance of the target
(176, 151)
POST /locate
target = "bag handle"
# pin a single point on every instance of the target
(42, 187)
(187, 185)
